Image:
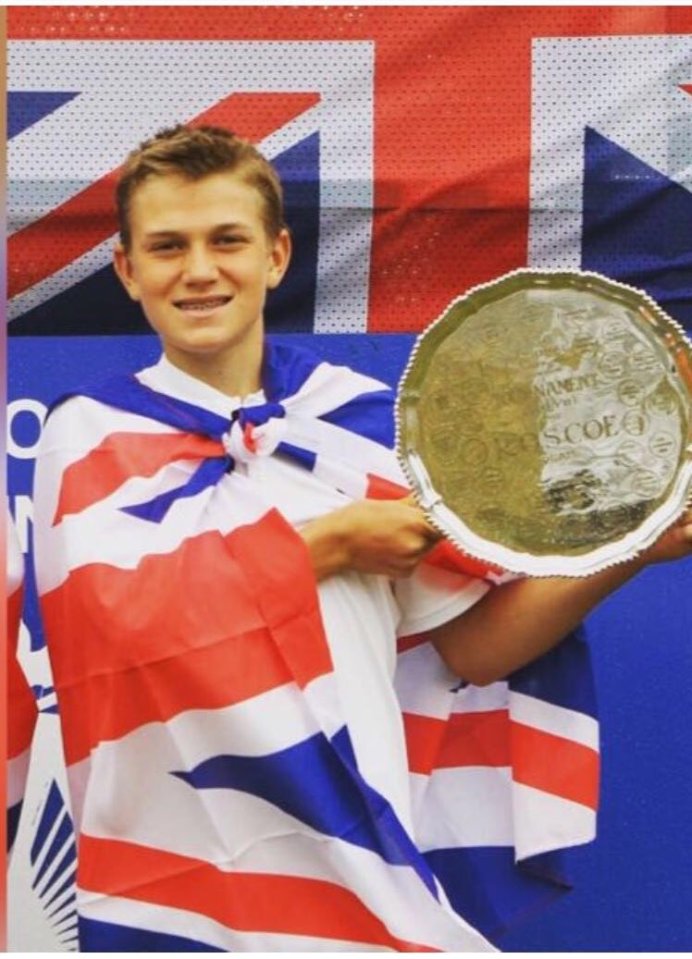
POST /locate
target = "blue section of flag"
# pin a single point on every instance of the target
(97, 936)
(52, 808)
(127, 393)
(67, 860)
(207, 474)
(485, 887)
(68, 884)
(63, 835)
(286, 367)
(370, 415)
(304, 458)
(13, 816)
(24, 108)
(291, 307)
(329, 796)
(71, 900)
(30, 613)
(561, 677)
(636, 225)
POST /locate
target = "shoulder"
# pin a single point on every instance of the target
(289, 370)
(336, 394)
(81, 418)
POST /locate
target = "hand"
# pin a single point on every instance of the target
(674, 543)
(384, 537)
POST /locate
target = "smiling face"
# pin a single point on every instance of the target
(200, 262)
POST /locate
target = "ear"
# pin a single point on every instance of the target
(123, 268)
(280, 257)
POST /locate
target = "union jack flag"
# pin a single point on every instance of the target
(416, 163)
(215, 695)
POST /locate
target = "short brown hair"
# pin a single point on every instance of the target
(193, 153)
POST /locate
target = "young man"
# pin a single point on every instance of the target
(222, 586)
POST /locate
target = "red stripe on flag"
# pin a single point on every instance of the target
(556, 765)
(21, 705)
(476, 739)
(380, 488)
(121, 456)
(110, 705)
(87, 219)
(424, 736)
(247, 902)
(538, 759)
(21, 711)
(466, 739)
(14, 615)
(256, 115)
(66, 233)
(183, 630)
(446, 556)
(404, 643)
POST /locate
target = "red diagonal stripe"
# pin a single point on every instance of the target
(557, 765)
(381, 488)
(255, 115)
(466, 739)
(21, 704)
(121, 456)
(127, 648)
(88, 218)
(67, 232)
(424, 736)
(538, 759)
(476, 739)
(247, 902)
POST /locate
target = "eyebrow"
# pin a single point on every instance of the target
(217, 228)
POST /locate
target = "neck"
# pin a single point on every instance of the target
(233, 375)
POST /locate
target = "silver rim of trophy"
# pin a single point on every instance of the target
(544, 422)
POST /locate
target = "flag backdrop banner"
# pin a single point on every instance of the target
(423, 151)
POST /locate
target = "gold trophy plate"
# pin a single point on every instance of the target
(544, 422)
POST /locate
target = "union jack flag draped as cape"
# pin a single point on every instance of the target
(213, 779)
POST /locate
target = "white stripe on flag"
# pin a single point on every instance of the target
(469, 806)
(547, 822)
(17, 770)
(553, 719)
(168, 920)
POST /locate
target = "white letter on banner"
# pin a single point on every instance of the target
(23, 517)
(35, 408)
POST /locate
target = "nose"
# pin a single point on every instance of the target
(200, 265)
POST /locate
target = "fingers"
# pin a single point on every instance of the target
(683, 527)
(674, 543)
(432, 535)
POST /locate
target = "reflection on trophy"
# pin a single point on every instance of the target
(545, 424)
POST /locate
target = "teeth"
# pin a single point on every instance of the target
(202, 306)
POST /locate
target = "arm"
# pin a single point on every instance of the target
(512, 624)
(520, 620)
